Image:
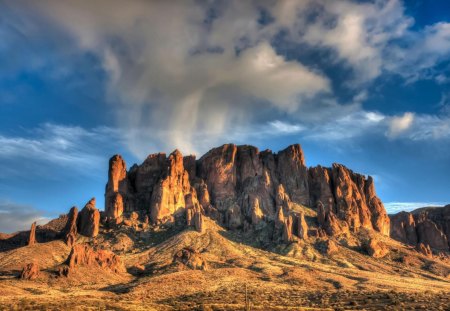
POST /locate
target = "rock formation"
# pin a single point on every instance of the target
(70, 231)
(375, 248)
(240, 187)
(89, 220)
(427, 226)
(30, 271)
(32, 237)
(190, 258)
(84, 255)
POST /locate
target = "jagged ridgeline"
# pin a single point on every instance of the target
(242, 188)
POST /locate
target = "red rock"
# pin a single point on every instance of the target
(115, 208)
(30, 271)
(282, 198)
(256, 213)
(302, 226)
(168, 194)
(118, 183)
(294, 174)
(287, 230)
(239, 186)
(403, 228)
(70, 231)
(327, 247)
(191, 259)
(429, 226)
(375, 248)
(83, 255)
(89, 220)
(32, 236)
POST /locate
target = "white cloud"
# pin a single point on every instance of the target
(16, 217)
(400, 124)
(285, 128)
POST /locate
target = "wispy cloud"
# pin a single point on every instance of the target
(71, 147)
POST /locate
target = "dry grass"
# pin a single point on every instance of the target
(303, 278)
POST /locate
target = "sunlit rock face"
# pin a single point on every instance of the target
(88, 220)
(427, 227)
(240, 187)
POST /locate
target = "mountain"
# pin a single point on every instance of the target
(236, 228)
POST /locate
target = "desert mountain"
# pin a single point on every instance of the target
(185, 233)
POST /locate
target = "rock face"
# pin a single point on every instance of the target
(429, 227)
(89, 220)
(241, 187)
(30, 271)
(348, 197)
(32, 237)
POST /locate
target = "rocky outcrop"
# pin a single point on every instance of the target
(30, 271)
(194, 213)
(351, 197)
(168, 194)
(84, 255)
(190, 258)
(375, 248)
(89, 220)
(427, 226)
(241, 187)
(118, 196)
(114, 209)
(70, 231)
(32, 236)
(403, 228)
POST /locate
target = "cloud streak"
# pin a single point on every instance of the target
(71, 147)
(15, 217)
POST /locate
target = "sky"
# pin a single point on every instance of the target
(362, 83)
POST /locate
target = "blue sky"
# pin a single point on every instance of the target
(363, 83)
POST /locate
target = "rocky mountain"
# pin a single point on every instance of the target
(176, 228)
(424, 228)
(239, 187)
